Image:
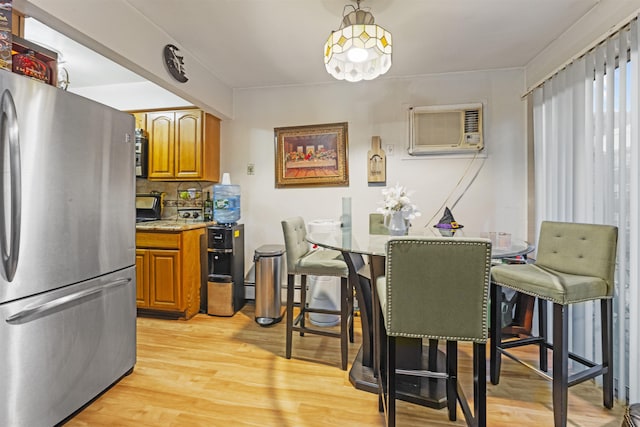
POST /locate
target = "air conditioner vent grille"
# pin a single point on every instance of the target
(471, 121)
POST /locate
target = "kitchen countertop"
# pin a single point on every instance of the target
(171, 225)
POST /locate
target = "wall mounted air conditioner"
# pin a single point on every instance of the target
(445, 129)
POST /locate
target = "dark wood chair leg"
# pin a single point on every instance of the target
(606, 314)
(543, 333)
(351, 309)
(495, 333)
(452, 380)
(355, 262)
(433, 355)
(391, 381)
(380, 373)
(432, 365)
(303, 302)
(480, 384)
(560, 363)
(290, 291)
(378, 359)
(344, 321)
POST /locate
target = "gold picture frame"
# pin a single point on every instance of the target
(312, 155)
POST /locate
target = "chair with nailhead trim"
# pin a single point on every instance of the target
(436, 288)
(575, 263)
(302, 261)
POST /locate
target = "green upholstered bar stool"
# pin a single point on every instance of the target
(302, 261)
(575, 263)
(437, 288)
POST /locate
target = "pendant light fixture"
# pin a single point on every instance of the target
(359, 50)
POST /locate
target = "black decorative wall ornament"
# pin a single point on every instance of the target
(174, 63)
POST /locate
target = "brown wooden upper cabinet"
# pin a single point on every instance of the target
(184, 145)
(140, 120)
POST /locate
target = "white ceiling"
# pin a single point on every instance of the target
(253, 43)
(85, 67)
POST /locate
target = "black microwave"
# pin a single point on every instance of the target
(142, 156)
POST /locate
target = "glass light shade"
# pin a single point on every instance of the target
(359, 51)
(355, 54)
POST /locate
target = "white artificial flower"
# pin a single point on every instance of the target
(396, 199)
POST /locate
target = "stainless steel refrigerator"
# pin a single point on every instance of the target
(67, 249)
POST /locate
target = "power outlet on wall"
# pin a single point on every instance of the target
(251, 169)
(389, 148)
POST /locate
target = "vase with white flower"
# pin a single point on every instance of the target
(398, 210)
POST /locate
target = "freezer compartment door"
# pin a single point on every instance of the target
(62, 348)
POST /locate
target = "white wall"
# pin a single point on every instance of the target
(496, 201)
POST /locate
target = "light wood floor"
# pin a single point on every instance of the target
(216, 371)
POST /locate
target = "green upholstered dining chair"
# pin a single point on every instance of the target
(376, 224)
(436, 288)
(575, 263)
(302, 261)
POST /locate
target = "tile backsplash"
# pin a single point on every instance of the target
(172, 199)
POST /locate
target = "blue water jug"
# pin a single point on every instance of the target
(226, 203)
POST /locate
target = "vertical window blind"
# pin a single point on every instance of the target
(587, 169)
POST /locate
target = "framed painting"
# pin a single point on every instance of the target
(312, 156)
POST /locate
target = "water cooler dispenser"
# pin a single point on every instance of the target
(226, 202)
(225, 279)
(225, 253)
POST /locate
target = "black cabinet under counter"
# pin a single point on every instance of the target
(224, 293)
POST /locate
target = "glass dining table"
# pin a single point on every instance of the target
(412, 353)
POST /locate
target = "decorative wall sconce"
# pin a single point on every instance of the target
(377, 162)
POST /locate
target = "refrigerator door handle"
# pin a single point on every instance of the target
(9, 133)
(34, 312)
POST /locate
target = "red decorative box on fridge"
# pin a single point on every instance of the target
(34, 61)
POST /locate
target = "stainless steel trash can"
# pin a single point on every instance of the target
(269, 267)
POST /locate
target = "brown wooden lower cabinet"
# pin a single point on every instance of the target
(168, 273)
